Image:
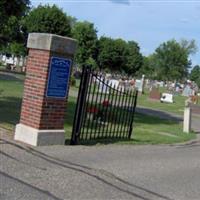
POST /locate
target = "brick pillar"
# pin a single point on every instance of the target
(45, 89)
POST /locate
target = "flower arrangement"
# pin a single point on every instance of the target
(105, 103)
(100, 113)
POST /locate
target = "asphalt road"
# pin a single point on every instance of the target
(161, 172)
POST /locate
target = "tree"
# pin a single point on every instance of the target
(17, 8)
(148, 67)
(86, 35)
(189, 46)
(119, 55)
(16, 49)
(91, 62)
(11, 13)
(172, 59)
(47, 19)
(111, 53)
(195, 75)
(105, 52)
(134, 58)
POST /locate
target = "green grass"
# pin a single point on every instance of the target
(147, 129)
(11, 89)
(1, 66)
(177, 107)
(153, 130)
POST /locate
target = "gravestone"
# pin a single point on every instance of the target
(167, 98)
(103, 88)
(139, 84)
(45, 89)
(114, 83)
(154, 94)
(187, 91)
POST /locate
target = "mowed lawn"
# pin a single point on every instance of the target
(147, 129)
(11, 89)
(177, 107)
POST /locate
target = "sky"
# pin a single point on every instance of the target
(148, 22)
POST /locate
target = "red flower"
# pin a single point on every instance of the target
(92, 110)
(105, 103)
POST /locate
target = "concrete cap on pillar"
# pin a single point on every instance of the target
(52, 42)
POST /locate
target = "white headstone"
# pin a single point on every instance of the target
(167, 98)
(187, 91)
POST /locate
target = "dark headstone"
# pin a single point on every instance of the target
(155, 94)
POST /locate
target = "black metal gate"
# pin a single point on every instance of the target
(103, 110)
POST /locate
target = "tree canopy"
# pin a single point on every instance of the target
(12, 39)
(195, 75)
(86, 35)
(111, 53)
(171, 60)
(119, 55)
(48, 19)
(134, 58)
(148, 67)
(17, 8)
(11, 13)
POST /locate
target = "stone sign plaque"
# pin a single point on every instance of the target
(59, 74)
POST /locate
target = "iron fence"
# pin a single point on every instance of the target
(103, 110)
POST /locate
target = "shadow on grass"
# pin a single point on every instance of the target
(10, 108)
(159, 114)
(11, 77)
(106, 141)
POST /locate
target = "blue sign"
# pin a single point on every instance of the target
(59, 73)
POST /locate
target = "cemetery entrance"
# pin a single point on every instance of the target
(105, 109)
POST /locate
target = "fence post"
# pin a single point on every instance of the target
(81, 101)
(187, 120)
(131, 125)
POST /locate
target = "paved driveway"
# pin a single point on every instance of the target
(99, 172)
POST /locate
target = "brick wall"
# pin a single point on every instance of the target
(38, 111)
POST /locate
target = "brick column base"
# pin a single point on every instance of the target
(38, 137)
